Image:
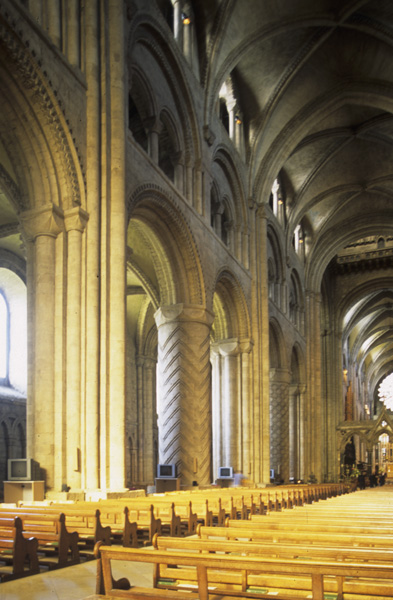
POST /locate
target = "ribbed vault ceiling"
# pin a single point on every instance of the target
(314, 82)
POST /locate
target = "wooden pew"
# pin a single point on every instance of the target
(147, 523)
(295, 537)
(287, 550)
(190, 511)
(94, 522)
(57, 547)
(18, 555)
(316, 525)
(240, 576)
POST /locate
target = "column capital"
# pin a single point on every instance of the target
(183, 312)
(261, 212)
(229, 347)
(278, 375)
(246, 345)
(47, 220)
(294, 389)
(75, 219)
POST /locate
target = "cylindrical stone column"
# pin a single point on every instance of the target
(54, 22)
(293, 431)
(279, 422)
(115, 336)
(72, 32)
(183, 390)
(244, 441)
(42, 226)
(216, 408)
(229, 351)
(75, 221)
(91, 326)
(149, 419)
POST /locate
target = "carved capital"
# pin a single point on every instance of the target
(75, 219)
(246, 345)
(47, 220)
(183, 312)
(229, 347)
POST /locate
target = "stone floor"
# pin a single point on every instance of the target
(71, 583)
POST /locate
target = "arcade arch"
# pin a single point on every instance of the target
(231, 374)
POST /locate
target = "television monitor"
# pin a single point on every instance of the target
(271, 473)
(23, 469)
(166, 471)
(225, 473)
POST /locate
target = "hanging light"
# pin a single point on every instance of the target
(186, 19)
(238, 120)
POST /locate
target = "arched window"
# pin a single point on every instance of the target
(135, 124)
(4, 340)
(13, 331)
(224, 114)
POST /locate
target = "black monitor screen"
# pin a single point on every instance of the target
(19, 468)
(166, 471)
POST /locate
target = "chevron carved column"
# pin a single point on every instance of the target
(183, 390)
(279, 422)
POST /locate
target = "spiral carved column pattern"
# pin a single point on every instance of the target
(183, 390)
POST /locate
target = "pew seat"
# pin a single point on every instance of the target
(242, 576)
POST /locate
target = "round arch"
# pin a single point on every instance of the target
(41, 149)
(147, 32)
(230, 309)
(172, 249)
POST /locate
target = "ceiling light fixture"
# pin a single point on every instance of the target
(186, 19)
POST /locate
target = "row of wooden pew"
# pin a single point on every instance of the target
(48, 535)
(341, 549)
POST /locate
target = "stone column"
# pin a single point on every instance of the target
(245, 451)
(313, 409)
(146, 418)
(229, 351)
(153, 139)
(301, 439)
(279, 422)
(114, 260)
(41, 227)
(92, 241)
(183, 390)
(72, 32)
(149, 419)
(177, 22)
(216, 409)
(75, 221)
(54, 22)
(260, 317)
(139, 417)
(198, 196)
(293, 431)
